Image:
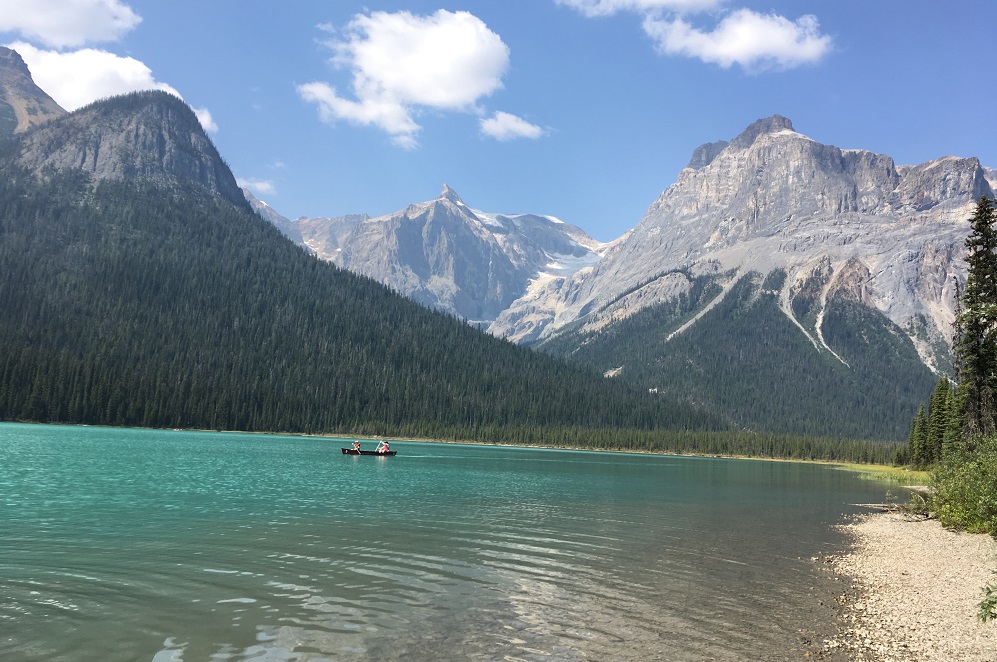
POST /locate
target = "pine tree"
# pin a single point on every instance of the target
(918, 440)
(976, 352)
(939, 415)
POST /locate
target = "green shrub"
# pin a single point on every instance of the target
(965, 487)
(988, 606)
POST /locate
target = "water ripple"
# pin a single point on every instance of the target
(176, 547)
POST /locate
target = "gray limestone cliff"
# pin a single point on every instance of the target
(771, 199)
(450, 257)
(152, 136)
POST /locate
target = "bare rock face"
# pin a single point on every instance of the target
(447, 256)
(23, 104)
(775, 199)
(150, 136)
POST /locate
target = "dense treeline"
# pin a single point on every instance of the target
(748, 364)
(957, 433)
(133, 304)
(711, 442)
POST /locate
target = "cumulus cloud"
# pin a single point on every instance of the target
(402, 64)
(258, 186)
(744, 37)
(504, 126)
(388, 114)
(67, 23)
(76, 78)
(754, 41)
(593, 8)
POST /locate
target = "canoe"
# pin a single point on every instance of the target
(350, 451)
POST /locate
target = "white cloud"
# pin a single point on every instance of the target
(260, 186)
(67, 23)
(593, 8)
(76, 78)
(206, 120)
(387, 114)
(402, 63)
(504, 126)
(754, 41)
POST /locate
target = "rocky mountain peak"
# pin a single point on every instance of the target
(152, 136)
(451, 195)
(891, 235)
(703, 155)
(772, 124)
(10, 60)
(22, 103)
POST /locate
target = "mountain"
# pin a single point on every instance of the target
(774, 198)
(450, 257)
(849, 261)
(22, 103)
(822, 277)
(150, 136)
(139, 288)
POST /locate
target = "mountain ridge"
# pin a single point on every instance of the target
(148, 135)
(779, 199)
(23, 104)
(848, 258)
(449, 256)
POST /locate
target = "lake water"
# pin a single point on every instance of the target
(167, 546)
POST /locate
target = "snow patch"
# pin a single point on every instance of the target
(487, 218)
(565, 265)
(782, 133)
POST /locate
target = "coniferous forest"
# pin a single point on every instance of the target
(869, 388)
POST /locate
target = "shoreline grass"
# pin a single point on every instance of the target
(892, 475)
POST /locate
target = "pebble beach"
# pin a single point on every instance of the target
(913, 593)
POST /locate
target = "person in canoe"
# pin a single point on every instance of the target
(382, 447)
(356, 445)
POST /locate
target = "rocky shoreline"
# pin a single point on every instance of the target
(909, 592)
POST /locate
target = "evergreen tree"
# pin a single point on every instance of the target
(976, 352)
(957, 327)
(939, 414)
(918, 438)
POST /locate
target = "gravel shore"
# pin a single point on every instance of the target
(913, 592)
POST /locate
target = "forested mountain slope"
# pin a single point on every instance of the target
(868, 257)
(147, 296)
(745, 361)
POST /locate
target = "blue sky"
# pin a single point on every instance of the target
(581, 109)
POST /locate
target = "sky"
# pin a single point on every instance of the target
(581, 109)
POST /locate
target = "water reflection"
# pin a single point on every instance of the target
(131, 545)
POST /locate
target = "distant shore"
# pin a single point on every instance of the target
(882, 472)
(915, 589)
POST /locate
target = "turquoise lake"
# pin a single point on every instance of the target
(168, 546)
